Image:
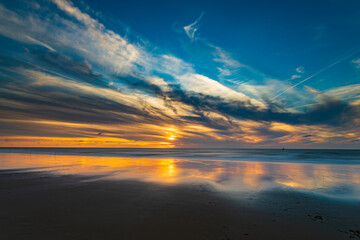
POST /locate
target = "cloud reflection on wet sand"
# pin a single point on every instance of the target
(342, 180)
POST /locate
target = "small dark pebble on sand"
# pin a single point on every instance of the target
(355, 233)
(316, 217)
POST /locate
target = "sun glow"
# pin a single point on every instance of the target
(98, 142)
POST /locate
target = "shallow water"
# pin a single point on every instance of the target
(331, 173)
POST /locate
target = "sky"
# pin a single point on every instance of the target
(233, 74)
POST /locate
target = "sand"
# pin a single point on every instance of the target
(40, 205)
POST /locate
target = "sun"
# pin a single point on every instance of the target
(172, 137)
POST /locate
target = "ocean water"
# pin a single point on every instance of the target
(321, 156)
(329, 173)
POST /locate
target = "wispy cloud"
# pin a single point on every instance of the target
(317, 73)
(299, 72)
(76, 77)
(295, 76)
(221, 56)
(13, 26)
(356, 62)
(300, 69)
(192, 28)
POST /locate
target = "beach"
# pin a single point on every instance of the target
(179, 120)
(157, 201)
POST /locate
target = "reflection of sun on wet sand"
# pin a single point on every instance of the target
(224, 175)
(48, 196)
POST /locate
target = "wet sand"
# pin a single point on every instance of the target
(41, 205)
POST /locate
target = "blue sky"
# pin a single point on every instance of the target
(273, 36)
(180, 73)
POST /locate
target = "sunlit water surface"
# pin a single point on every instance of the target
(335, 174)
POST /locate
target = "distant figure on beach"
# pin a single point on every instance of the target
(283, 149)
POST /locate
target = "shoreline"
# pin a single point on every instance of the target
(276, 156)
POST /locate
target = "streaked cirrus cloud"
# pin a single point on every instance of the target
(68, 78)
